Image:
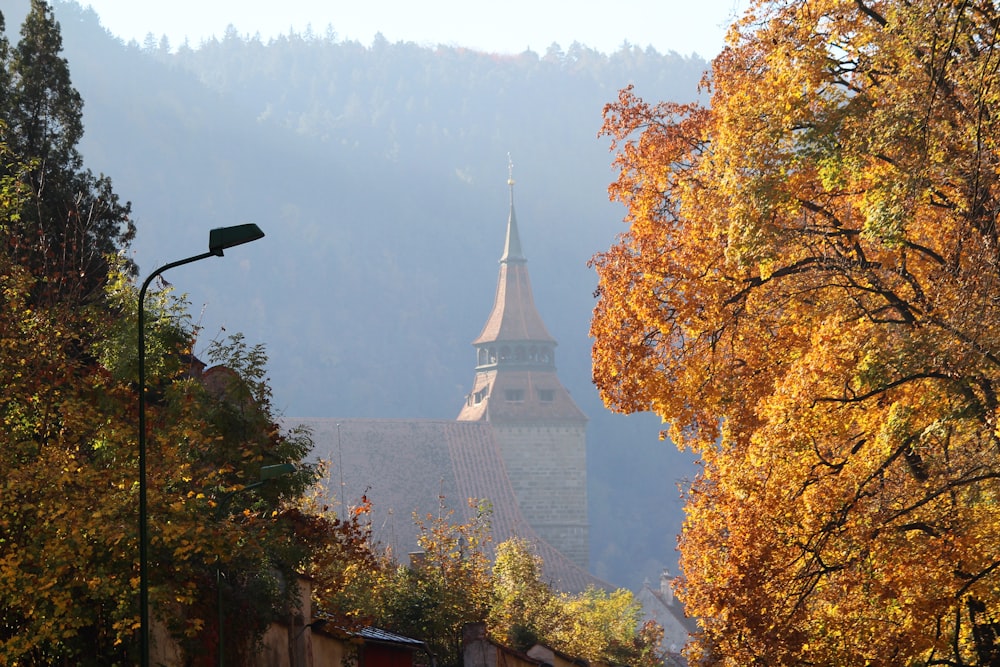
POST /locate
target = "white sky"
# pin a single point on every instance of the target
(510, 26)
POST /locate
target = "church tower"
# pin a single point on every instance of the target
(540, 430)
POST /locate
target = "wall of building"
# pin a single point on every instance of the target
(547, 466)
(330, 651)
(660, 605)
(479, 651)
(276, 648)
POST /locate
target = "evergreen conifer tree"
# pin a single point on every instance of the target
(4, 72)
(72, 220)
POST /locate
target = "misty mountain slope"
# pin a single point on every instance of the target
(379, 176)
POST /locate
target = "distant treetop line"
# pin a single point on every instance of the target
(514, 27)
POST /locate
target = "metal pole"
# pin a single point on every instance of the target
(218, 585)
(144, 642)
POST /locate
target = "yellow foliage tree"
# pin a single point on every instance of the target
(68, 521)
(595, 625)
(447, 586)
(452, 583)
(809, 294)
(525, 609)
(68, 517)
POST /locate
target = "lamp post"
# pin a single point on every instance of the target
(218, 240)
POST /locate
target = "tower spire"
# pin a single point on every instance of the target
(514, 350)
(540, 431)
(512, 248)
(514, 318)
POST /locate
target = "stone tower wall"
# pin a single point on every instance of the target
(547, 465)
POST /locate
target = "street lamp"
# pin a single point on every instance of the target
(218, 240)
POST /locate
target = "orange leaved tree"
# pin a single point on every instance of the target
(809, 294)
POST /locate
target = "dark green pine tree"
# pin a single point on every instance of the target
(73, 221)
(4, 74)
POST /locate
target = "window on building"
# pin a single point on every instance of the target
(514, 394)
(547, 395)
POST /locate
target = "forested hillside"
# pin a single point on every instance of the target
(379, 174)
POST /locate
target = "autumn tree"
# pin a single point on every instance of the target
(218, 533)
(68, 516)
(444, 587)
(606, 627)
(458, 578)
(595, 625)
(525, 609)
(66, 511)
(809, 294)
(68, 523)
(347, 570)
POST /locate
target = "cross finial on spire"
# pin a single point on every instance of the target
(510, 179)
(512, 249)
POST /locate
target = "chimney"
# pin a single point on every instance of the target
(473, 632)
(666, 588)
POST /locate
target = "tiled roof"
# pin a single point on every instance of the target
(526, 403)
(514, 316)
(380, 635)
(407, 466)
(512, 246)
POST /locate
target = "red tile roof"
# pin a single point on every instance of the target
(514, 315)
(494, 406)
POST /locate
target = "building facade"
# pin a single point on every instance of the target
(540, 431)
(519, 444)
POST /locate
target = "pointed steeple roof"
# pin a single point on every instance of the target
(516, 379)
(512, 248)
(514, 316)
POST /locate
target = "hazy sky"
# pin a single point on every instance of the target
(507, 26)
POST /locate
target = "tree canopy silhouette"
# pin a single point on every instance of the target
(808, 293)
